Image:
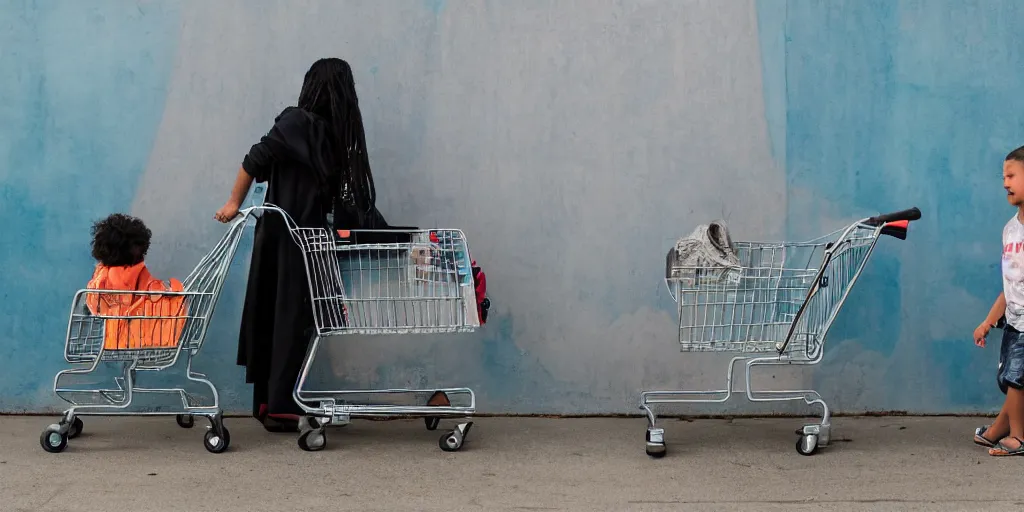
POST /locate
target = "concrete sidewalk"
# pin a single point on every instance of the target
(143, 464)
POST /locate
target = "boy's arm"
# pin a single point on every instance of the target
(994, 314)
(998, 309)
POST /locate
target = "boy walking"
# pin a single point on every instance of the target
(1005, 436)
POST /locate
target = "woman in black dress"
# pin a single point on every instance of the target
(315, 162)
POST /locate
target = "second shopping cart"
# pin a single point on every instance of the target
(384, 282)
(772, 303)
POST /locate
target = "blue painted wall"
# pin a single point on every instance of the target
(891, 104)
(572, 142)
(82, 93)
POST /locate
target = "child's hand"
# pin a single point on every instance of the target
(981, 333)
(227, 212)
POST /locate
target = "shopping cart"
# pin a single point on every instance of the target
(158, 340)
(774, 308)
(383, 282)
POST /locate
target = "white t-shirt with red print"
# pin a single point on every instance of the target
(1013, 272)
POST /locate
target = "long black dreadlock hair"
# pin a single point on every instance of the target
(329, 91)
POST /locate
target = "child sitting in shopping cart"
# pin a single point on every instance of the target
(1005, 436)
(133, 321)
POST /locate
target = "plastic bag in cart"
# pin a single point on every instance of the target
(428, 258)
(705, 256)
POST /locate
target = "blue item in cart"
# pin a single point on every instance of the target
(454, 257)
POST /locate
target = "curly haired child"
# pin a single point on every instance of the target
(119, 245)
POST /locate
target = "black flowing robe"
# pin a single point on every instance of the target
(277, 319)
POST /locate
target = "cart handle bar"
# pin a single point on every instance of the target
(905, 215)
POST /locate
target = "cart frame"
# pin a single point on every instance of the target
(340, 310)
(84, 349)
(771, 342)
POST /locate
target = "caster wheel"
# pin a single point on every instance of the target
(313, 440)
(655, 451)
(656, 448)
(431, 423)
(453, 440)
(76, 428)
(185, 420)
(217, 443)
(52, 440)
(450, 442)
(807, 445)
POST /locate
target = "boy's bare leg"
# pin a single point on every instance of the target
(1014, 408)
(999, 428)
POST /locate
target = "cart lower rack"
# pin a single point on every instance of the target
(774, 308)
(383, 282)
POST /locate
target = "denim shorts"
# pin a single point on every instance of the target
(1011, 360)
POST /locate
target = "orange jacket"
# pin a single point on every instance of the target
(136, 333)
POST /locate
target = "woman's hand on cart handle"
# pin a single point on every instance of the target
(908, 215)
(227, 213)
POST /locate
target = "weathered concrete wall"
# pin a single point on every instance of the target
(573, 141)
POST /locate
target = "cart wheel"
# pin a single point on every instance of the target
(185, 420)
(655, 449)
(313, 440)
(52, 440)
(431, 422)
(217, 443)
(451, 442)
(76, 428)
(807, 445)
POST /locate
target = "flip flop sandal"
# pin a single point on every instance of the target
(1000, 450)
(981, 440)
